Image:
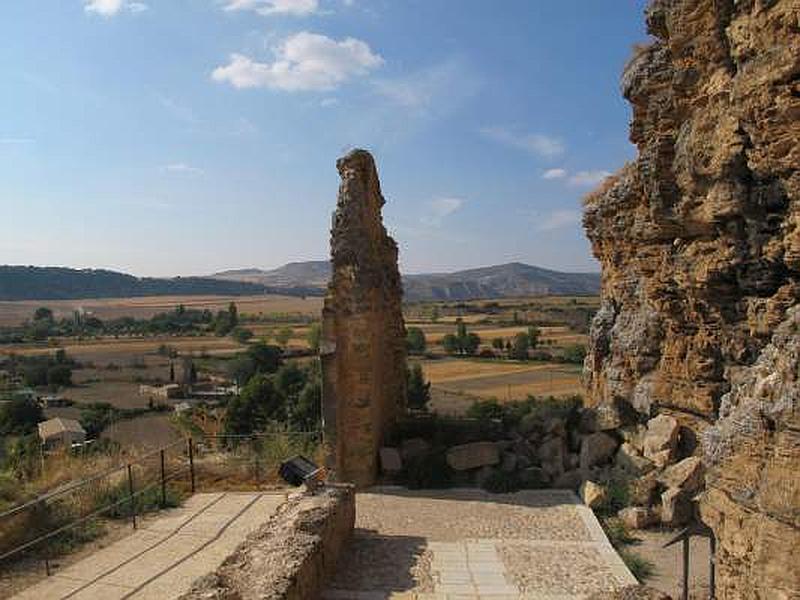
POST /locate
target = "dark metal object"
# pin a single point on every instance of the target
(163, 481)
(191, 463)
(131, 495)
(297, 470)
(702, 530)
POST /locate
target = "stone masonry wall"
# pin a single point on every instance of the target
(699, 242)
(363, 335)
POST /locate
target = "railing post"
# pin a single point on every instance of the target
(131, 495)
(712, 567)
(47, 565)
(163, 481)
(686, 567)
(254, 450)
(191, 463)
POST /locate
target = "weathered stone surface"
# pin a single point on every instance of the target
(603, 417)
(472, 456)
(569, 480)
(391, 461)
(661, 439)
(552, 454)
(752, 455)
(596, 448)
(632, 592)
(700, 252)
(676, 507)
(637, 517)
(363, 347)
(593, 494)
(509, 462)
(631, 462)
(686, 475)
(643, 490)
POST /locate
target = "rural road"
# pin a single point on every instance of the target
(162, 559)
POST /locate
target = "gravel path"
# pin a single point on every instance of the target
(468, 544)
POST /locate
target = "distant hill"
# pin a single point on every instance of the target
(509, 280)
(59, 283)
(312, 273)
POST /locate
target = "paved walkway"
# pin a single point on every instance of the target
(467, 544)
(166, 554)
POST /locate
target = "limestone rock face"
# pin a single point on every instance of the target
(699, 241)
(699, 237)
(363, 335)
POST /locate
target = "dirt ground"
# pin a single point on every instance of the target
(668, 563)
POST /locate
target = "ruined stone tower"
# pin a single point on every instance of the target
(363, 334)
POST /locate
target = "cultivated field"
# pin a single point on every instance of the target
(13, 313)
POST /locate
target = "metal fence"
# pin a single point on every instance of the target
(52, 524)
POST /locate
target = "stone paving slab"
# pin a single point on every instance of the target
(468, 544)
(162, 559)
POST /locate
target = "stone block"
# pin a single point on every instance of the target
(569, 480)
(629, 461)
(551, 455)
(472, 456)
(644, 490)
(661, 439)
(413, 448)
(391, 461)
(637, 517)
(593, 494)
(676, 507)
(687, 475)
(596, 449)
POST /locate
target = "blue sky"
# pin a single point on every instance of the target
(168, 137)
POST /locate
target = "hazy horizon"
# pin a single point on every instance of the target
(185, 138)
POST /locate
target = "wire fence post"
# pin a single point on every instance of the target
(163, 481)
(254, 450)
(191, 463)
(686, 568)
(131, 495)
(712, 567)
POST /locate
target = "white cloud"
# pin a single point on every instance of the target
(298, 8)
(588, 178)
(440, 208)
(109, 8)
(431, 86)
(326, 102)
(558, 219)
(182, 168)
(304, 61)
(535, 143)
(554, 174)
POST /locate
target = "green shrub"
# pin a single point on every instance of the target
(641, 568)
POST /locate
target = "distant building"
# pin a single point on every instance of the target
(163, 392)
(182, 407)
(61, 432)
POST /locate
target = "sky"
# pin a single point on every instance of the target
(185, 137)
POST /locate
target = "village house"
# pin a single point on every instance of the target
(61, 432)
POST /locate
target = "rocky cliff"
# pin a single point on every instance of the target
(699, 240)
(363, 343)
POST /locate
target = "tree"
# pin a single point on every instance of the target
(470, 343)
(435, 314)
(534, 333)
(519, 350)
(461, 329)
(283, 336)
(418, 392)
(415, 340)
(266, 358)
(233, 314)
(575, 353)
(450, 344)
(59, 375)
(20, 416)
(498, 344)
(43, 314)
(314, 336)
(257, 405)
(242, 335)
(307, 413)
(222, 324)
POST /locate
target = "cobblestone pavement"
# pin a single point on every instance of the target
(468, 544)
(166, 554)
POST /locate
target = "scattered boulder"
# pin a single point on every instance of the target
(661, 439)
(637, 517)
(482, 475)
(686, 475)
(472, 456)
(413, 448)
(644, 490)
(676, 507)
(634, 435)
(603, 417)
(593, 494)
(533, 478)
(596, 448)
(391, 461)
(631, 462)
(572, 461)
(509, 462)
(555, 426)
(551, 456)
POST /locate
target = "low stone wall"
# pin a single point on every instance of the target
(291, 556)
